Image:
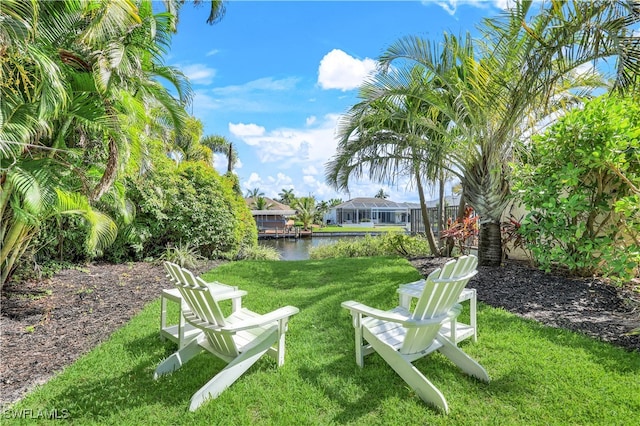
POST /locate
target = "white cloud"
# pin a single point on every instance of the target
(451, 6)
(304, 152)
(262, 84)
(220, 163)
(270, 186)
(310, 170)
(339, 70)
(288, 146)
(202, 101)
(212, 52)
(311, 120)
(198, 73)
(280, 181)
(254, 96)
(254, 181)
(585, 69)
(504, 4)
(246, 130)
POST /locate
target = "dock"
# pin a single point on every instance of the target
(274, 233)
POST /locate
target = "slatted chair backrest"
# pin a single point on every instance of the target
(441, 291)
(203, 310)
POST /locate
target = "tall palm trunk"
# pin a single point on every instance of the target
(425, 214)
(441, 206)
(110, 172)
(230, 158)
(486, 189)
(490, 244)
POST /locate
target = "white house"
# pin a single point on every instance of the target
(369, 211)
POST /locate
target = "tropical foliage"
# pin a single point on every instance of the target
(305, 210)
(76, 80)
(388, 244)
(261, 203)
(286, 196)
(85, 104)
(581, 188)
(476, 100)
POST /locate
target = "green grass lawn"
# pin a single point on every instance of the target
(540, 375)
(328, 229)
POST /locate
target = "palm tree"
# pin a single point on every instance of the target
(220, 145)
(511, 83)
(387, 136)
(261, 203)
(287, 196)
(78, 78)
(254, 193)
(381, 194)
(306, 210)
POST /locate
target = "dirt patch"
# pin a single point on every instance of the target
(586, 305)
(47, 325)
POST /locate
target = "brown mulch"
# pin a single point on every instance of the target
(47, 325)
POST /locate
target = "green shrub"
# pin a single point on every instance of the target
(190, 202)
(258, 253)
(62, 239)
(388, 244)
(185, 255)
(581, 189)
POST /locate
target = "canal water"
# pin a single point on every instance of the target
(298, 249)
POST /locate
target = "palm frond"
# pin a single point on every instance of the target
(102, 229)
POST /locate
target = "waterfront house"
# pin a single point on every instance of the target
(274, 216)
(370, 211)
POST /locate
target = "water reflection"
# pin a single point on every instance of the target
(292, 249)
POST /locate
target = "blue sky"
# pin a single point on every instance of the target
(273, 77)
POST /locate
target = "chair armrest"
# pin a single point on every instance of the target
(230, 294)
(404, 320)
(373, 312)
(278, 314)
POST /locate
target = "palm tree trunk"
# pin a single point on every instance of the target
(490, 244)
(425, 217)
(230, 158)
(110, 172)
(441, 206)
(13, 245)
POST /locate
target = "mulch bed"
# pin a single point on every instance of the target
(47, 325)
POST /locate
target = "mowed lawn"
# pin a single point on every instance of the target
(540, 375)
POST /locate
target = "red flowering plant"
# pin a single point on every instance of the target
(512, 238)
(462, 231)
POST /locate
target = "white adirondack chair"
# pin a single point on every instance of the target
(183, 333)
(401, 337)
(239, 339)
(177, 274)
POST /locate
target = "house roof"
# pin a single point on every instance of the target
(284, 213)
(369, 203)
(275, 208)
(274, 205)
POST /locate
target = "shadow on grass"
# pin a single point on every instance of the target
(377, 382)
(94, 397)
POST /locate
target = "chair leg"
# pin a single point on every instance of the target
(411, 375)
(236, 368)
(462, 360)
(179, 358)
